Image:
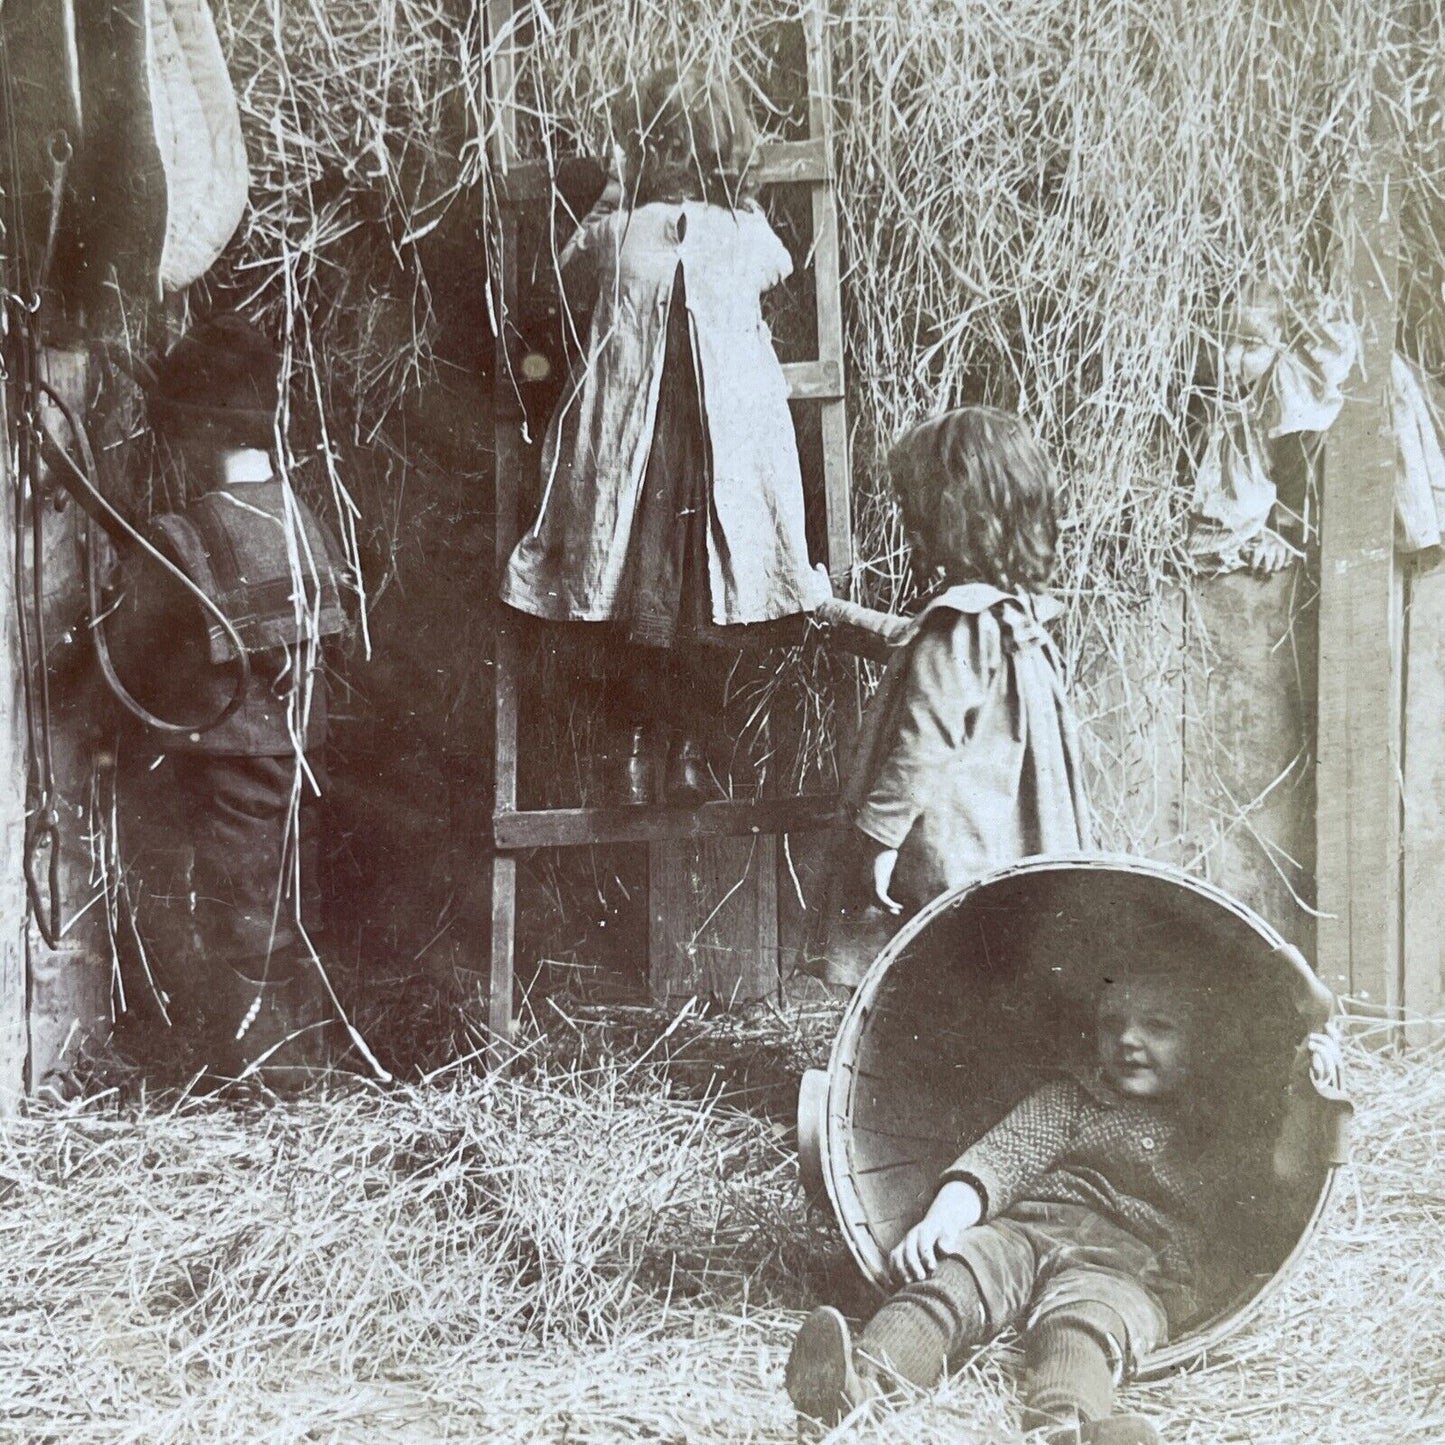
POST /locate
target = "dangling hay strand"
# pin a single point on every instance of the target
(577, 1255)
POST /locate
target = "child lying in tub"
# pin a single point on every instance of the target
(1080, 1219)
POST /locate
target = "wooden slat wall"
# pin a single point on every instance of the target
(1423, 842)
(1247, 743)
(1358, 778)
(714, 912)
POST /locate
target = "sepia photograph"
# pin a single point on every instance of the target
(722, 722)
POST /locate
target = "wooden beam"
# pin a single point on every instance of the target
(575, 827)
(1358, 761)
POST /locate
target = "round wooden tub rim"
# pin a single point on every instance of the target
(827, 1143)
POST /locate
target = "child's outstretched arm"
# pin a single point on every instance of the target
(863, 630)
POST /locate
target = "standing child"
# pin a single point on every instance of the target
(241, 768)
(672, 501)
(1082, 1218)
(969, 755)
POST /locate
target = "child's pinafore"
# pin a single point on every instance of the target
(671, 492)
(968, 759)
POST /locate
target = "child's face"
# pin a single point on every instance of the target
(1145, 1038)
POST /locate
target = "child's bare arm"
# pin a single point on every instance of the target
(956, 1208)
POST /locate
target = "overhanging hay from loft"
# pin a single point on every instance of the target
(1040, 205)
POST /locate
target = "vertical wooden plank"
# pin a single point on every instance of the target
(14, 1044)
(1423, 843)
(829, 300)
(507, 464)
(714, 930)
(1358, 816)
(1248, 726)
(68, 985)
(503, 951)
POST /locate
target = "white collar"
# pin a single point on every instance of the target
(246, 464)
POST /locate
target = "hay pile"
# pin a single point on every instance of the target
(1048, 206)
(1053, 208)
(581, 1255)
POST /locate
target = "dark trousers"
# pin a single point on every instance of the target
(217, 860)
(255, 869)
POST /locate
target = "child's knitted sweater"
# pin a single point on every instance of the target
(1135, 1162)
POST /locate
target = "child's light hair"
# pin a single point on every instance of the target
(688, 136)
(978, 494)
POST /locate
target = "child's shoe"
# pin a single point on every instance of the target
(823, 1383)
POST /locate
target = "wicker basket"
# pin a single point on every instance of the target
(991, 988)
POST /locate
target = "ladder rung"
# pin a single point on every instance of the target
(791, 161)
(788, 162)
(820, 380)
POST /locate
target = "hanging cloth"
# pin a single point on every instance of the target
(197, 128)
(1419, 464)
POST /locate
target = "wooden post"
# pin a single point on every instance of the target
(1358, 777)
(14, 1034)
(507, 462)
(69, 984)
(1423, 843)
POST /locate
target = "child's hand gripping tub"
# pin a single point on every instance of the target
(1092, 1098)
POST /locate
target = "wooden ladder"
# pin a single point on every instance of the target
(816, 382)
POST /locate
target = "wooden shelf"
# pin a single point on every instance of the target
(649, 823)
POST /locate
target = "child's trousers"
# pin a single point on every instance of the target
(1067, 1283)
(925, 1326)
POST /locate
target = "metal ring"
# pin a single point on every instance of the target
(59, 148)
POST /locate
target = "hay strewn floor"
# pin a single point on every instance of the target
(582, 1256)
